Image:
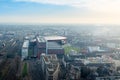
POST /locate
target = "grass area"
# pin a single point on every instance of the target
(25, 71)
(69, 48)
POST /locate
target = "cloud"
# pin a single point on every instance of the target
(82, 11)
(94, 5)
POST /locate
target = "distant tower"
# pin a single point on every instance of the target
(65, 33)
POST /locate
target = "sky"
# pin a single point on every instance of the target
(60, 11)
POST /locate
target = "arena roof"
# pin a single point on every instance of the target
(55, 38)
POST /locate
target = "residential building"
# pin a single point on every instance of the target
(50, 66)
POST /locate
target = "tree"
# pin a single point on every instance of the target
(24, 71)
(85, 71)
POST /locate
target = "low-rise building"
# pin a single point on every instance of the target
(74, 63)
(92, 49)
(108, 78)
(95, 62)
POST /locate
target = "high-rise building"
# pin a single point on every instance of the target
(40, 45)
(25, 47)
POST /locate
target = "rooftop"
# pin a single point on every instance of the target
(55, 38)
(41, 39)
(26, 44)
(98, 60)
(52, 63)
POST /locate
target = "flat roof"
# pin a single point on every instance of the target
(51, 62)
(26, 44)
(55, 38)
(41, 39)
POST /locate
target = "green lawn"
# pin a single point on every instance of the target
(24, 71)
(69, 48)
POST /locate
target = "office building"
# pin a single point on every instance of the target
(25, 47)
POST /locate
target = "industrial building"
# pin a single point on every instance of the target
(25, 47)
(50, 66)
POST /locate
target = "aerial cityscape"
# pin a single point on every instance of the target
(59, 40)
(59, 52)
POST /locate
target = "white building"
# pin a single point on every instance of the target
(94, 49)
(25, 46)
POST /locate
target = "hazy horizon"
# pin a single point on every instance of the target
(60, 11)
